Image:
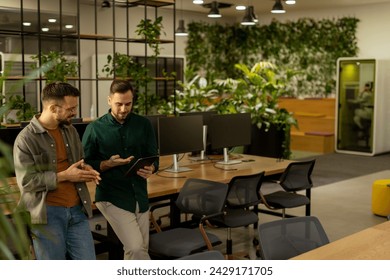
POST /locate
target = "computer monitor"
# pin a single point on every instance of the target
(206, 115)
(154, 121)
(230, 130)
(180, 135)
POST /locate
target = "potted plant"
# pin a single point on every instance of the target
(55, 67)
(257, 92)
(151, 32)
(124, 67)
(19, 109)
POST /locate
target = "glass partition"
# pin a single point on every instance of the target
(356, 92)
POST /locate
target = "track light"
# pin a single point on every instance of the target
(214, 11)
(278, 8)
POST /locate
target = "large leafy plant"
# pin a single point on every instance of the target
(14, 239)
(257, 91)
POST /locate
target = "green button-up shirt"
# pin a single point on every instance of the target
(105, 137)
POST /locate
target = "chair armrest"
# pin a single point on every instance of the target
(272, 181)
(159, 205)
(205, 218)
(151, 216)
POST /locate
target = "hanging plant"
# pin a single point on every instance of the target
(151, 32)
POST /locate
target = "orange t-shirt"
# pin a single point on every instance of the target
(66, 194)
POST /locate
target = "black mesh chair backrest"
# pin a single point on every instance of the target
(244, 191)
(287, 238)
(297, 176)
(202, 197)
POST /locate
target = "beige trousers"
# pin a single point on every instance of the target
(132, 229)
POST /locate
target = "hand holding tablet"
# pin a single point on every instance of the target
(140, 163)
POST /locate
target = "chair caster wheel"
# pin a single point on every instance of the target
(98, 227)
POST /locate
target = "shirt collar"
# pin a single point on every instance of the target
(113, 120)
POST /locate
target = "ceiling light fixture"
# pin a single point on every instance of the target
(198, 2)
(26, 23)
(240, 8)
(248, 18)
(181, 29)
(278, 8)
(45, 29)
(69, 26)
(52, 20)
(214, 11)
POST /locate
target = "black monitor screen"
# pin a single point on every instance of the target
(205, 114)
(180, 134)
(154, 121)
(230, 130)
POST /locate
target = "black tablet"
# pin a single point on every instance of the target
(140, 163)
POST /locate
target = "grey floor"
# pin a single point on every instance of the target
(341, 199)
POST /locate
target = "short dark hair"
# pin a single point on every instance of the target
(58, 90)
(121, 86)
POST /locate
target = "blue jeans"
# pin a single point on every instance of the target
(65, 236)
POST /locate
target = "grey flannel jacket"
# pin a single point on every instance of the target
(35, 163)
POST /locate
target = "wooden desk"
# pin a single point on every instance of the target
(210, 170)
(370, 244)
(166, 183)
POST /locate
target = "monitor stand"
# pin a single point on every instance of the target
(202, 156)
(176, 168)
(226, 160)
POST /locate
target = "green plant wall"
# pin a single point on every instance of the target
(310, 47)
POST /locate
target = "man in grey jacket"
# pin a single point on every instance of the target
(51, 175)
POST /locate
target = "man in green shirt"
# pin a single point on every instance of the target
(110, 144)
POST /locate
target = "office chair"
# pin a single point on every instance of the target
(202, 198)
(206, 255)
(243, 194)
(286, 238)
(296, 177)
